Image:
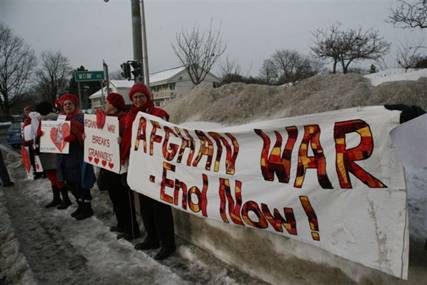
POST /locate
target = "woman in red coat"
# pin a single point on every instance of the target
(156, 216)
(120, 195)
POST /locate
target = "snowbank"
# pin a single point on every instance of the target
(396, 74)
(241, 103)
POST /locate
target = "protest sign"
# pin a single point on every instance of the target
(52, 140)
(102, 147)
(329, 179)
(26, 161)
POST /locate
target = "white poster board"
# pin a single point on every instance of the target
(52, 140)
(101, 146)
(330, 179)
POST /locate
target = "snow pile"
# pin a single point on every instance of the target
(238, 103)
(396, 74)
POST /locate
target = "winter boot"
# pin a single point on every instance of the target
(86, 211)
(65, 200)
(79, 208)
(56, 198)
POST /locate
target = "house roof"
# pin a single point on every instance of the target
(122, 83)
(165, 74)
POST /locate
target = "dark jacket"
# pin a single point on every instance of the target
(71, 164)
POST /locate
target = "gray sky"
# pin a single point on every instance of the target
(87, 31)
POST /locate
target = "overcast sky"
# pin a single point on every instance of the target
(88, 31)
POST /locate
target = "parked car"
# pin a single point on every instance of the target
(14, 135)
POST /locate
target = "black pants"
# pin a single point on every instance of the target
(81, 194)
(158, 221)
(123, 203)
(4, 175)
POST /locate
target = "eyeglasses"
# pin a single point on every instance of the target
(139, 96)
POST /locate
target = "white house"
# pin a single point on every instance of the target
(119, 86)
(165, 85)
(168, 84)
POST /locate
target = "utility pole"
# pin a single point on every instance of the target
(146, 73)
(137, 34)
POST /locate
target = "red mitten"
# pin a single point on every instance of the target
(40, 133)
(70, 138)
(100, 119)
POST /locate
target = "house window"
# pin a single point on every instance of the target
(172, 86)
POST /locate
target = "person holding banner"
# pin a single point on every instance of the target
(121, 196)
(157, 217)
(48, 161)
(71, 165)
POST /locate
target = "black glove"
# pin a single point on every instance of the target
(408, 112)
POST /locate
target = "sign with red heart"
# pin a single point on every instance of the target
(101, 145)
(25, 154)
(52, 140)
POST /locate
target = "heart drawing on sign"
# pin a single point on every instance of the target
(111, 165)
(104, 163)
(96, 160)
(57, 135)
(90, 158)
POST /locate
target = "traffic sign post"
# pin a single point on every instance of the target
(89, 75)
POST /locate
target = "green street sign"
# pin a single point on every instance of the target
(89, 75)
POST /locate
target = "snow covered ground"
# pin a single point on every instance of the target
(47, 246)
(396, 74)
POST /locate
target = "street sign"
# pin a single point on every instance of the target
(89, 75)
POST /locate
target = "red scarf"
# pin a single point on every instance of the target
(128, 120)
(77, 128)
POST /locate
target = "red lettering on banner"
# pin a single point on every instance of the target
(196, 207)
(169, 149)
(90, 123)
(231, 155)
(100, 141)
(206, 149)
(225, 196)
(318, 161)
(186, 142)
(345, 158)
(312, 217)
(111, 128)
(277, 220)
(239, 213)
(153, 136)
(274, 163)
(141, 134)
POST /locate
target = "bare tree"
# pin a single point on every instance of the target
(349, 46)
(410, 14)
(269, 72)
(229, 67)
(291, 66)
(17, 61)
(409, 55)
(198, 51)
(327, 45)
(53, 75)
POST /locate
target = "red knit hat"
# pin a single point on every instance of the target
(68, 96)
(28, 108)
(116, 100)
(140, 88)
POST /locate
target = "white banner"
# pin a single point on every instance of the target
(329, 179)
(101, 146)
(52, 140)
